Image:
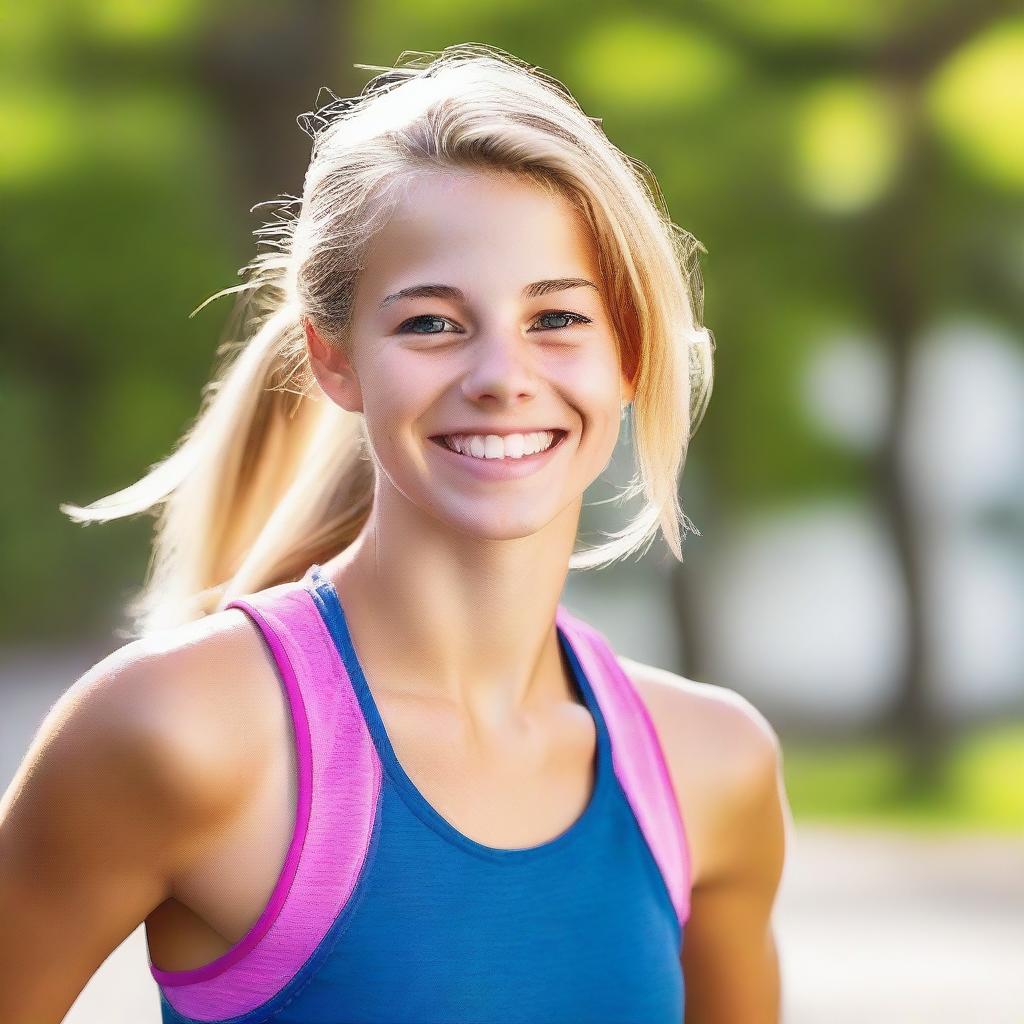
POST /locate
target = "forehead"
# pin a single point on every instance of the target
(473, 228)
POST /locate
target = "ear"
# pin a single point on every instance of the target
(333, 370)
(628, 371)
(628, 389)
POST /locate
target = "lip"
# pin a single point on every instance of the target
(498, 469)
(500, 431)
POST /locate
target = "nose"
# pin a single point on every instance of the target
(502, 369)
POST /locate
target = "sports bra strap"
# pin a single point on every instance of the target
(339, 781)
(638, 758)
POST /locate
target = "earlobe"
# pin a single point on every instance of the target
(628, 392)
(332, 369)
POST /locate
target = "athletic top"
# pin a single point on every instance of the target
(385, 912)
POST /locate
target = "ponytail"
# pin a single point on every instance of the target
(266, 481)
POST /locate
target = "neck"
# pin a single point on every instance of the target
(445, 616)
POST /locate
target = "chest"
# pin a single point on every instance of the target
(436, 929)
(578, 928)
(525, 788)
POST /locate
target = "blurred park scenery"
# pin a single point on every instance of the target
(856, 175)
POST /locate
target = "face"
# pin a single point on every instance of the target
(487, 349)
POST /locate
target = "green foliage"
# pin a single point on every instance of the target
(114, 231)
(864, 783)
(120, 191)
(654, 67)
(977, 103)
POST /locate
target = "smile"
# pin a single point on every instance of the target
(507, 467)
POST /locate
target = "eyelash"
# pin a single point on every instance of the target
(576, 318)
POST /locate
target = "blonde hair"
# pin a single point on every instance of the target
(273, 476)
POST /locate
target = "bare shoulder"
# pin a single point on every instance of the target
(132, 771)
(704, 717)
(185, 714)
(203, 701)
(723, 755)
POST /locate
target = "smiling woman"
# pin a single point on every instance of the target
(498, 361)
(414, 187)
(360, 763)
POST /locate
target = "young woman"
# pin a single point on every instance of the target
(360, 763)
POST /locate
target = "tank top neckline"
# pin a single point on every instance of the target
(329, 604)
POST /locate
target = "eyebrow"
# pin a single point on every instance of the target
(447, 291)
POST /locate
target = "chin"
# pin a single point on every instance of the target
(493, 524)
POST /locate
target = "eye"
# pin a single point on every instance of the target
(574, 318)
(410, 325)
(425, 318)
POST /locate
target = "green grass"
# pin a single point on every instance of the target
(864, 783)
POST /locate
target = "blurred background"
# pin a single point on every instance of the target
(856, 174)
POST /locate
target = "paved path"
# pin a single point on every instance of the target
(889, 928)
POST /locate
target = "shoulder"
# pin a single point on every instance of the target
(181, 716)
(706, 718)
(133, 772)
(724, 759)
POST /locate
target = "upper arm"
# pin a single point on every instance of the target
(106, 805)
(730, 962)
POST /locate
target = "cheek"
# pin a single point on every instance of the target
(397, 388)
(593, 386)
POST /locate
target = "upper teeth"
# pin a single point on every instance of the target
(498, 446)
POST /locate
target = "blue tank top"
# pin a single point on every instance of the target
(385, 912)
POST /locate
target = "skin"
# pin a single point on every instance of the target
(161, 787)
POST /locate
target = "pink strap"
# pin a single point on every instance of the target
(637, 756)
(339, 779)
